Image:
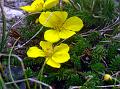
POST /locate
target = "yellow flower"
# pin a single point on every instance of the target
(61, 27)
(39, 5)
(54, 55)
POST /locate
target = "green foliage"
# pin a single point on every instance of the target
(116, 31)
(28, 32)
(74, 79)
(92, 80)
(94, 12)
(99, 67)
(112, 50)
(90, 56)
(30, 28)
(94, 37)
(98, 53)
(69, 76)
(76, 61)
(80, 45)
(29, 72)
(77, 50)
(109, 11)
(115, 63)
(14, 61)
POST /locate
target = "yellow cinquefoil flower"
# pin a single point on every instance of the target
(61, 27)
(39, 5)
(54, 55)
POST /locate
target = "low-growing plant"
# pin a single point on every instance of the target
(64, 44)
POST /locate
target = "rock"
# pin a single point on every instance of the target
(12, 13)
(7, 26)
(11, 0)
(15, 3)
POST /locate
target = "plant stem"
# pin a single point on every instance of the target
(2, 83)
(9, 63)
(3, 40)
(22, 64)
(40, 74)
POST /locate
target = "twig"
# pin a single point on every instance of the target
(39, 82)
(91, 30)
(116, 22)
(30, 79)
(75, 6)
(116, 73)
(23, 17)
(108, 86)
(105, 29)
(104, 62)
(18, 21)
(30, 38)
(61, 4)
(17, 81)
(75, 87)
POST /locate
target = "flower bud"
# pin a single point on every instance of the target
(107, 77)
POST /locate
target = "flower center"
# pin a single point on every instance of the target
(59, 26)
(49, 52)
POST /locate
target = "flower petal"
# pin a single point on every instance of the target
(36, 6)
(61, 53)
(63, 48)
(53, 19)
(51, 36)
(64, 34)
(37, 20)
(38, 3)
(50, 3)
(73, 23)
(51, 63)
(28, 8)
(60, 57)
(46, 45)
(35, 52)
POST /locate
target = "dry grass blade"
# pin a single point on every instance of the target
(30, 79)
